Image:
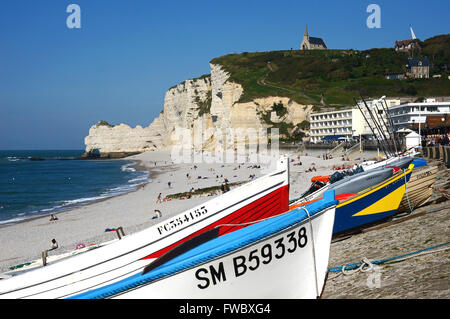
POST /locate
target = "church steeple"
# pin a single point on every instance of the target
(306, 32)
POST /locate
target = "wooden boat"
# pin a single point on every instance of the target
(372, 205)
(399, 161)
(357, 182)
(319, 187)
(369, 206)
(261, 198)
(285, 256)
(419, 188)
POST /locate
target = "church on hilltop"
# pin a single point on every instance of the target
(312, 43)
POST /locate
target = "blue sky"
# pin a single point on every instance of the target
(56, 82)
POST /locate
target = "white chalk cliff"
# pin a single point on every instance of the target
(210, 103)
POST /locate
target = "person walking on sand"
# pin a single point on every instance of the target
(169, 183)
(159, 198)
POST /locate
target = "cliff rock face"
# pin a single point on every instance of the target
(209, 105)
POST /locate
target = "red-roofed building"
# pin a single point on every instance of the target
(407, 45)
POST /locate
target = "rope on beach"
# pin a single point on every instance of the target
(366, 265)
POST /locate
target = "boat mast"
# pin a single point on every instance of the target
(385, 150)
(368, 124)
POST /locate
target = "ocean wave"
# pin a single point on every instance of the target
(140, 179)
(128, 168)
(13, 220)
(11, 159)
(82, 200)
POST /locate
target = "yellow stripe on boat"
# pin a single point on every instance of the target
(389, 202)
(376, 188)
(373, 204)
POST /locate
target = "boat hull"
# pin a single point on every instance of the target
(347, 184)
(350, 185)
(372, 205)
(276, 258)
(419, 188)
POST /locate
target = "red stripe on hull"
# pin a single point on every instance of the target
(275, 203)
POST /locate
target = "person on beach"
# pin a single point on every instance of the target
(157, 214)
(169, 183)
(159, 198)
(54, 244)
(53, 217)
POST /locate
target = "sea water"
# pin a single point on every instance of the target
(37, 183)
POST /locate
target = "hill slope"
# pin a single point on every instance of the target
(338, 75)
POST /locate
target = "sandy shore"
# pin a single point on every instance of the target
(25, 241)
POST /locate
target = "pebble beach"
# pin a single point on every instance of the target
(422, 277)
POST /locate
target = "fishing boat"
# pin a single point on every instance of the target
(285, 256)
(261, 198)
(372, 205)
(399, 161)
(369, 206)
(371, 175)
(420, 186)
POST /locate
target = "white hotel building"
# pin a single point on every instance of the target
(346, 123)
(349, 123)
(406, 115)
(333, 123)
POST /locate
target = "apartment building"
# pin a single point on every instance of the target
(349, 122)
(411, 114)
(331, 125)
(378, 108)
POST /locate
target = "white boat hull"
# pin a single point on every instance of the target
(284, 264)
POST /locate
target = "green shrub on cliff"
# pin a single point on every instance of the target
(104, 123)
(204, 107)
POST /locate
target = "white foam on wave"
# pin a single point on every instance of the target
(81, 200)
(13, 220)
(141, 179)
(128, 168)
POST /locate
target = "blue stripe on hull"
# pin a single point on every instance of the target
(347, 223)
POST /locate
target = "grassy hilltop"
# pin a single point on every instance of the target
(338, 75)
